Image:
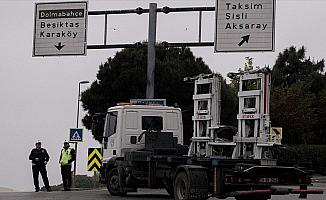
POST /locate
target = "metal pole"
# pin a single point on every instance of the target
(143, 45)
(199, 28)
(105, 28)
(151, 51)
(78, 105)
(77, 120)
(140, 10)
(75, 163)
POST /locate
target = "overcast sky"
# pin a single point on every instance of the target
(38, 95)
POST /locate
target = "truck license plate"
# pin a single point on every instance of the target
(268, 180)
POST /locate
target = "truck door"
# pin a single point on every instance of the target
(111, 142)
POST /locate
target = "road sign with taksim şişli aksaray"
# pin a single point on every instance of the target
(60, 28)
(244, 25)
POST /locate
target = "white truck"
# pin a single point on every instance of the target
(143, 147)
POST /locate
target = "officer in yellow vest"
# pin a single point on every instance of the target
(67, 156)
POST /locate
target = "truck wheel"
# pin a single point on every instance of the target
(113, 183)
(181, 187)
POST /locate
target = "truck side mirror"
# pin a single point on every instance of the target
(141, 135)
(98, 124)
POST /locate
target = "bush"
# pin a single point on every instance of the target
(82, 181)
(309, 156)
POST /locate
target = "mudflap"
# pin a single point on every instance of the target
(102, 178)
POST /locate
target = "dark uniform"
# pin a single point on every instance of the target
(67, 156)
(39, 157)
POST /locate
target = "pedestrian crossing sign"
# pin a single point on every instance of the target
(76, 135)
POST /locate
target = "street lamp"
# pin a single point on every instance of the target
(78, 100)
(81, 82)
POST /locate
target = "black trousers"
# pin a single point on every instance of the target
(40, 169)
(66, 176)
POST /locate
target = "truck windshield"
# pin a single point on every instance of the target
(111, 123)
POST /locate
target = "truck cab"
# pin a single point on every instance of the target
(125, 127)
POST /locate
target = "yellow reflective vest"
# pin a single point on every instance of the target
(65, 156)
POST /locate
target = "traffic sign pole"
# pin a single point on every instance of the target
(151, 50)
(75, 136)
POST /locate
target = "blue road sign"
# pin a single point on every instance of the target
(76, 135)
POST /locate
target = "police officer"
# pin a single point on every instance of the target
(67, 156)
(39, 157)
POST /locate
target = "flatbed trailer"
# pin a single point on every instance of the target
(190, 177)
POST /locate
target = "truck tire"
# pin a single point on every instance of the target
(181, 187)
(113, 183)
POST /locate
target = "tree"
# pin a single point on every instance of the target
(291, 109)
(291, 67)
(124, 77)
(319, 117)
(296, 96)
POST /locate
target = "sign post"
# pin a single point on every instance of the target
(75, 136)
(94, 161)
(244, 25)
(60, 29)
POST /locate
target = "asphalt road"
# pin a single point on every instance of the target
(144, 194)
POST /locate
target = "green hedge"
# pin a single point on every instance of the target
(312, 157)
(82, 181)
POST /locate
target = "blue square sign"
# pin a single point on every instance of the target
(76, 135)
